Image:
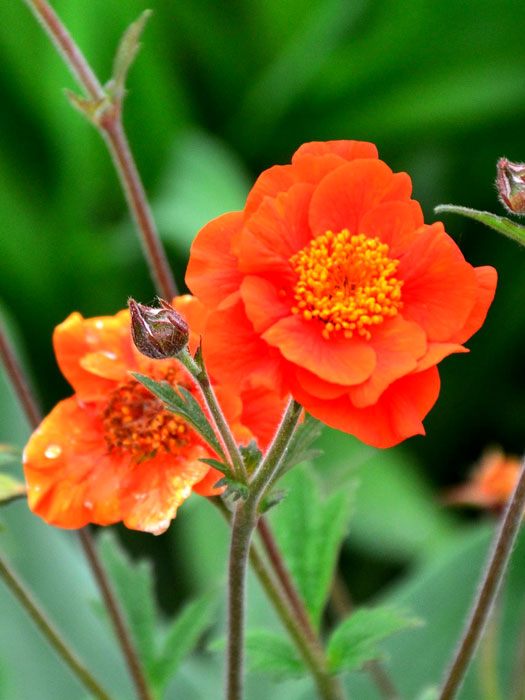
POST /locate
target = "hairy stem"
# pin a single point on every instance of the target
(110, 126)
(201, 377)
(49, 631)
(34, 416)
(310, 650)
(491, 582)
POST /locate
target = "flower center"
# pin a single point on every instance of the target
(136, 421)
(346, 282)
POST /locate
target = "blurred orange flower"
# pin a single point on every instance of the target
(491, 483)
(111, 452)
(329, 285)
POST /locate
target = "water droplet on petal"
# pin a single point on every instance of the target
(109, 355)
(53, 451)
(88, 505)
(99, 324)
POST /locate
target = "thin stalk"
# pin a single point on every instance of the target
(243, 525)
(33, 414)
(110, 127)
(518, 677)
(200, 375)
(49, 631)
(491, 582)
(310, 650)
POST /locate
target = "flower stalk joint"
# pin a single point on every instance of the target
(158, 333)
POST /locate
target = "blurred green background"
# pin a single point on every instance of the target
(219, 92)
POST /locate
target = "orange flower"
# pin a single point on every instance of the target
(111, 452)
(491, 483)
(329, 285)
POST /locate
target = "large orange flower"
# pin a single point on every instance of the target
(330, 286)
(111, 452)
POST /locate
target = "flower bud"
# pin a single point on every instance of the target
(511, 185)
(158, 333)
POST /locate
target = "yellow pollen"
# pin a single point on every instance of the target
(136, 422)
(346, 282)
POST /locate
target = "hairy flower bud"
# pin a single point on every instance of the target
(511, 185)
(158, 333)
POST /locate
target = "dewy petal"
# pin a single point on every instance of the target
(348, 150)
(77, 337)
(347, 194)
(234, 353)
(487, 278)
(277, 231)
(394, 223)
(152, 491)
(337, 360)
(212, 272)
(70, 477)
(397, 415)
(398, 345)
(264, 306)
(439, 286)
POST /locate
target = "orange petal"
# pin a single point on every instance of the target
(337, 360)
(105, 341)
(234, 353)
(195, 314)
(398, 345)
(262, 412)
(345, 195)
(487, 278)
(277, 231)
(152, 491)
(318, 387)
(70, 477)
(394, 223)
(264, 306)
(206, 486)
(437, 352)
(396, 416)
(439, 286)
(280, 178)
(212, 272)
(348, 150)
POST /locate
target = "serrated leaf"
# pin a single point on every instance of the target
(310, 530)
(10, 489)
(182, 636)
(300, 449)
(9, 454)
(251, 455)
(272, 653)
(273, 499)
(185, 405)
(235, 489)
(355, 641)
(498, 223)
(133, 583)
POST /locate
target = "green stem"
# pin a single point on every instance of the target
(491, 582)
(499, 223)
(110, 127)
(198, 372)
(309, 648)
(49, 632)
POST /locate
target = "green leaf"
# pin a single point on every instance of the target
(10, 489)
(9, 454)
(300, 449)
(184, 405)
(273, 653)
(235, 489)
(310, 530)
(251, 455)
(498, 223)
(224, 468)
(183, 634)
(133, 583)
(355, 641)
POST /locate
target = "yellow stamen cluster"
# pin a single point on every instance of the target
(136, 422)
(346, 282)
